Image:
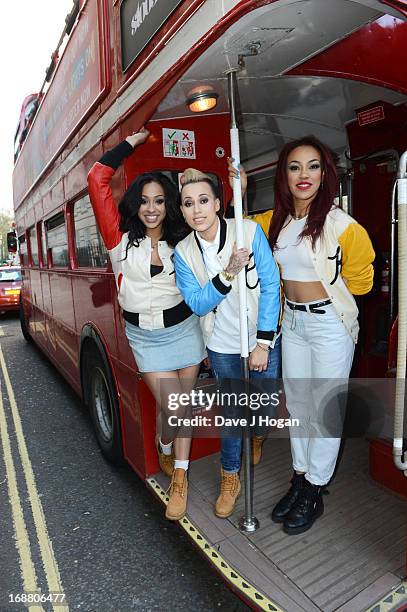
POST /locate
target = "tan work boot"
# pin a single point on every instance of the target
(166, 461)
(177, 503)
(257, 445)
(229, 492)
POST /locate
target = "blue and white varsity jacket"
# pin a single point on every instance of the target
(202, 294)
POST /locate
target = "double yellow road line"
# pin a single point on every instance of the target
(29, 577)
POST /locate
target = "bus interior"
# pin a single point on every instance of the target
(300, 71)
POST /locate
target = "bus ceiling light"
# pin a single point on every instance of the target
(202, 101)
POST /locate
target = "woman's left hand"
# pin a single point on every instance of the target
(258, 359)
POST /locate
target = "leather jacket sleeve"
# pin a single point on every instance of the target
(100, 193)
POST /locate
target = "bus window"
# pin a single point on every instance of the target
(57, 241)
(23, 250)
(32, 232)
(90, 250)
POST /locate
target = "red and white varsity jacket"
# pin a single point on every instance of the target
(151, 302)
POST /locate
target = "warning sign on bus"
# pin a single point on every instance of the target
(179, 143)
(371, 115)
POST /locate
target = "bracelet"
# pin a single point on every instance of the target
(227, 276)
(264, 347)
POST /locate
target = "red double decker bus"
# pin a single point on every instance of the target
(333, 68)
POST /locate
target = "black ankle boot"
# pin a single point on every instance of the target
(307, 508)
(283, 507)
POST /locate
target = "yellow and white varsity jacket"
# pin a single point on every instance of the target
(342, 259)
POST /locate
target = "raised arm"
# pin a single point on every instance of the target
(263, 219)
(233, 173)
(100, 193)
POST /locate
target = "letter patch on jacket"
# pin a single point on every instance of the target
(338, 262)
(249, 268)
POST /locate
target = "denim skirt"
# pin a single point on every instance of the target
(168, 348)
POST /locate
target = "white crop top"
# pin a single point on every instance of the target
(292, 254)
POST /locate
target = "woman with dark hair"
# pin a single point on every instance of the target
(206, 264)
(162, 331)
(325, 258)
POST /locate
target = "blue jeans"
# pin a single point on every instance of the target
(225, 366)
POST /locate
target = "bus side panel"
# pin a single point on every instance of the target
(88, 37)
(26, 294)
(137, 416)
(53, 200)
(76, 180)
(66, 348)
(48, 340)
(37, 317)
(92, 295)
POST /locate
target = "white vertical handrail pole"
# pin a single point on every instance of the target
(402, 324)
(248, 522)
(238, 205)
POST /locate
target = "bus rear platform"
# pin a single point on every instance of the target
(351, 560)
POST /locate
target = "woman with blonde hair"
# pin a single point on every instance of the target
(206, 265)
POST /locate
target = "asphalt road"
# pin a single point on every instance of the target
(70, 522)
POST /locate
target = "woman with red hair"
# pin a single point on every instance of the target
(325, 258)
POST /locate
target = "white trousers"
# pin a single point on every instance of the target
(317, 354)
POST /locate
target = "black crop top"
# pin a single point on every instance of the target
(154, 270)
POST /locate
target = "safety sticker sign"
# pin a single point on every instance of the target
(179, 143)
(371, 115)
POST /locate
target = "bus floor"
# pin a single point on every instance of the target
(352, 556)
